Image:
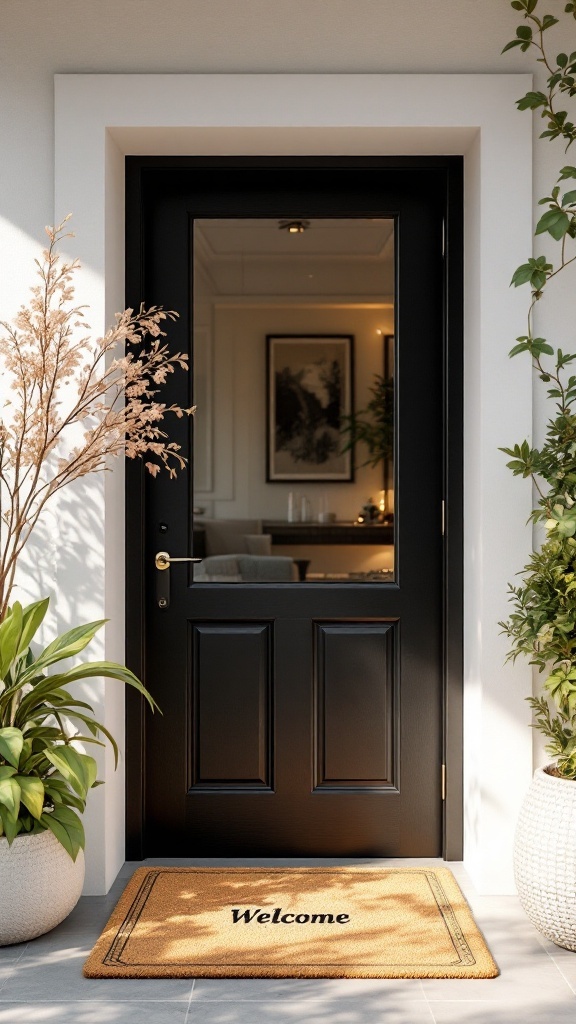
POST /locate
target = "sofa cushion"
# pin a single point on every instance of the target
(258, 543)
(228, 536)
(262, 569)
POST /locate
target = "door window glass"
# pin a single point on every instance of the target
(293, 362)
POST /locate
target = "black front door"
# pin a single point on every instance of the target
(300, 717)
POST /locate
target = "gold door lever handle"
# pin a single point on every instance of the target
(163, 560)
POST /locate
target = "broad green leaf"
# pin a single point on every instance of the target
(567, 172)
(65, 646)
(569, 198)
(32, 794)
(6, 772)
(10, 797)
(10, 828)
(59, 791)
(62, 834)
(26, 753)
(11, 743)
(46, 691)
(69, 763)
(107, 669)
(90, 766)
(67, 827)
(32, 618)
(96, 727)
(10, 633)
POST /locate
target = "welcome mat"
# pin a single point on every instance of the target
(291, 923)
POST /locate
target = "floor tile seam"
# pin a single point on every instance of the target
(187, 1017)
(504, 1001)
(89, 999)
(548, 953)
(567, 980)
(7, 978)
(313, 999)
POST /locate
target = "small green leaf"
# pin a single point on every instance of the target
(515, 42)
(555, 221)
(522, 275)
(524, 32)
(532, 100)
(522, 347)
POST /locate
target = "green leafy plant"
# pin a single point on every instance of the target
(542, 625)
(75, 402)
(44, 774)
(374, 425)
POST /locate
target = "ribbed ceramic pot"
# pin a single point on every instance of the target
(545, 857)
(39, 885)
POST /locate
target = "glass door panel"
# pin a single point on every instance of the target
(294, 341)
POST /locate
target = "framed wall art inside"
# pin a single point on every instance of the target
(310, 388)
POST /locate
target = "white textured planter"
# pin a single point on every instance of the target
(545, 857)
(39, 885)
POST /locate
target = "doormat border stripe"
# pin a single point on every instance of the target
(106, 959)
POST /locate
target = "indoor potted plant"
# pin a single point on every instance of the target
(542, 625)
(73, 403)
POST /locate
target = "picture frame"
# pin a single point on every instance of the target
(310, 387)
(389, 372)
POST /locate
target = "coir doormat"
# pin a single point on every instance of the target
(291, 923)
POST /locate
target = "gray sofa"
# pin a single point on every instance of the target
(242, 568)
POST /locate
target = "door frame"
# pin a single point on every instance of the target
(453, 555)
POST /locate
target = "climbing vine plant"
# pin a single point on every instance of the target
(542, 624)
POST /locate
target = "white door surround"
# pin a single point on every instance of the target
(101, 118)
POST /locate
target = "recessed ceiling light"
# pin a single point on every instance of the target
(293, 227)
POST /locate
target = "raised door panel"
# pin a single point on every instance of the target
(231, 722)
(356, 705)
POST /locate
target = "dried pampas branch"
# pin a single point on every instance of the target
(70, 403)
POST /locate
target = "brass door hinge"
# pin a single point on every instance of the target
(443, 781)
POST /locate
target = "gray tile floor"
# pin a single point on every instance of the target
(42, 980)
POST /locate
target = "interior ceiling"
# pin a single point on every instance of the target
(349, 257)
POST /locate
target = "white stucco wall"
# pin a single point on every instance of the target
(41, 38)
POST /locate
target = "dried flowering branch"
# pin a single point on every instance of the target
(73, 403)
